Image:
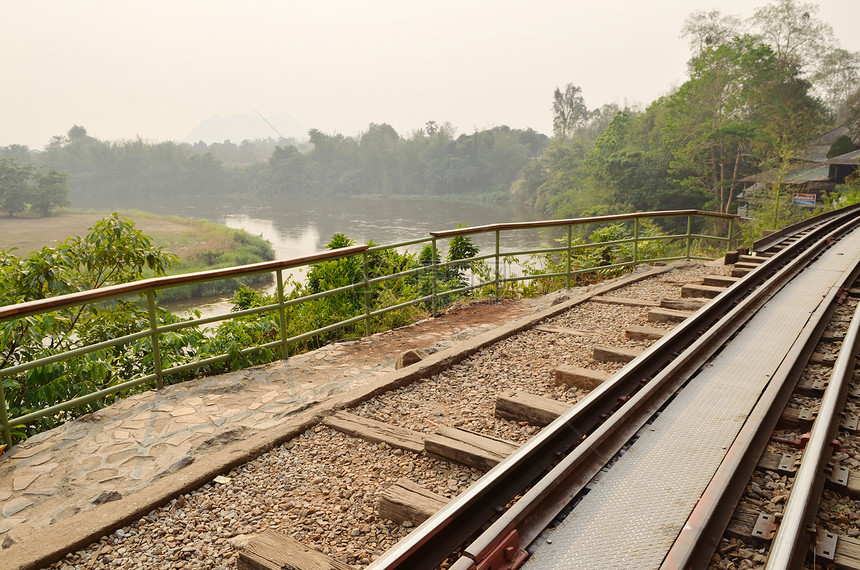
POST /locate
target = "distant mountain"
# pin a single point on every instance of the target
(237, 128)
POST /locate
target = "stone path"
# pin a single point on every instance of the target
(141, 441)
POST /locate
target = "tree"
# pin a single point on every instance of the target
(704, 30)
(51, 191)
(569, 112)
(800, 40)
(14, 186)
(741, 104)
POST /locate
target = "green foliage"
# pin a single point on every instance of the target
(841, 145)
(22, 187)
(594, 263)
(112, 252)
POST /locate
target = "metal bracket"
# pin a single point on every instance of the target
(507, 555)
(787, 464)
(806, 414)
(849, 423)
(839, 476)
(820, 384)
(765, 527)
(825, 544)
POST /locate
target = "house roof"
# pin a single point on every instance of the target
(796, 174)
(819, 147)
(852, 158)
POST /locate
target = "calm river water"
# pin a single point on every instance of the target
(302, 226)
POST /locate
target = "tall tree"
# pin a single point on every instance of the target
(706, 29)
(569, 112)
(14, 186)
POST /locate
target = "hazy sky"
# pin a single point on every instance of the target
(157, 68)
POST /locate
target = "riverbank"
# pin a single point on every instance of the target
(198, 243)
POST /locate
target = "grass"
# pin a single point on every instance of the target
(199, 244)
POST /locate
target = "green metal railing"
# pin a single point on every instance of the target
(155, 331)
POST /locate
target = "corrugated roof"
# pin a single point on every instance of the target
(797, 174)
(819, 147)
(852, 158)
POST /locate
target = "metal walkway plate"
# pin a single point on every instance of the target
(633, 514)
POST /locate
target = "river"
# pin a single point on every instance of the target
(302, 226)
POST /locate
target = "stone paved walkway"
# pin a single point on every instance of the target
(127, 447)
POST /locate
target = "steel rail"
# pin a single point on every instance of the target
(768, 241)
(700, 536)
(790, 546)
(537, 508)
(445, 531)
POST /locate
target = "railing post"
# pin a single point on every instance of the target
(4, 416)
(156, 352)
(366, 294)
(497, 266)
(731, 234)
(434, 305)
(282, 314)
(689, 235)
(569, 252)
(635, 241)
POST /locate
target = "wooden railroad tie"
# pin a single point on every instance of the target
(625, 301)
(272, 550)
(583, 378)
(748, 524)
(612, 354)
(740, 271)
(525, 407)
(376, 431)
(667, 315)
(454, 444)
(467, 447)
(408, 501)
(688, 304)
(644, 333)
(701, 291)
(719, 280)
(841, 479)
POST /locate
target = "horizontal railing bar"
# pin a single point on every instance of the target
(577, 221)
(80, 400)
(144, 285)
(72, 353)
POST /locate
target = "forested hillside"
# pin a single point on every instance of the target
(758, 92)
(428, 162)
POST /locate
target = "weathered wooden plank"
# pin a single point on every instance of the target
(847, 553)
(667, 315)
(580, 377)
(746, 265)
(624, 301)
(646, 333)
(379, 432)
(754, 259)
(701, 291)
(743, 523)
(562, 330)
(468, 448)
(612, 354)
(531, 408)
(796, 417)
(408, 501)
(683, 304)
(772, 461)
(272, 550)
(822, 359)
(719, 280)
(740, 271)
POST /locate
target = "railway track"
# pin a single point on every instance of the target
(346, 491)
(622, 524)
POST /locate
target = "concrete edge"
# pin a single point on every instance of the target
(50, 544)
